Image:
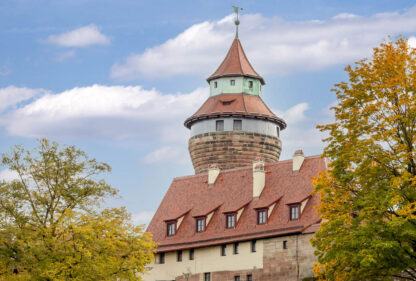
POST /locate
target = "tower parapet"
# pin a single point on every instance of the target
(234, 126)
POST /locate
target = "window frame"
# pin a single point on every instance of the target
(191, 254)
(253, 246)
(207, 276)
(237, 121)
(232, 82)
(259, 211)
(250, 84)
(217, 127)
(227, 215)
(215, 84)
(179, 255)
(223, 250)
(161, 258)
(204, 226)
(237, 278)
(236, 246)
(291, 207)
(284, 244)
(249, 277)
(169, 223)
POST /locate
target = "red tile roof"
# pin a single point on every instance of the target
(234, 105)
(232, 190)
(235, 64)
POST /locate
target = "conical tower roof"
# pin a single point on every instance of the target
(235, 64)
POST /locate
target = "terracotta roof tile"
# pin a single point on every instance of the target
(235, 190)
(235, 64)
(240, 104)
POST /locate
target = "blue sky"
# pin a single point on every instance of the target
(118, 78)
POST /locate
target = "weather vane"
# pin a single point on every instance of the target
(237, 21)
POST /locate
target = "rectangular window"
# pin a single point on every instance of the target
(278, 131)
(294, 212)
(207, 276)
(171, 228)
(191, 254)
(253, 246)
(250, 84)
(285, 244)
(179, 255)
(236, 245)
(215, 84)
(230, 220)
(261, 216)
(219, 125)
(238, 125)
(249, 277)
(200, 224)
(236, 278)
(162, 258)
(223, 250)
(232, 82)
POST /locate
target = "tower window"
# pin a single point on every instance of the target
(232, 82)
(171, 228)
(236, 245)
(261, 216)
(253, 246)
(230, 220)
(191, 254)
(278, 131)
(200, 224)
(250, 84)
(215, 84)
(179, 255)
(219, 125)
(238, 125)
(223, 250)
(294, 212)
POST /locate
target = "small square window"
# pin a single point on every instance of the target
(250, 84)
(191, 254)
(285, 244)
(236, 278)
(253, 246)
(230, 220)
(232, 82)
(261, 216)
(278, 131)
(215, 84)
(219, 125)
(236, 246)
(162, 258)
(171, 228)
(223, 250)
(207, 276)
(294, 212)
(249, 277)
(200, 224)
(179, 255)
(238, 125)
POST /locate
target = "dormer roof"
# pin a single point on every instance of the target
(236, 64)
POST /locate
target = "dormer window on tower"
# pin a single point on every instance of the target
(232, 82)
(250, 84)
(215, 84)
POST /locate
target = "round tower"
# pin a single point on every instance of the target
(234, 126)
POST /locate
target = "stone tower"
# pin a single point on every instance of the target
(234, 126)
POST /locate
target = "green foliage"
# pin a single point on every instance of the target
(369, 196)
(51, 226)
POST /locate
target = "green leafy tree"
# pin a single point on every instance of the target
(369, 194)
(51, 226)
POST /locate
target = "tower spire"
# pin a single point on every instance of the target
(237, 21)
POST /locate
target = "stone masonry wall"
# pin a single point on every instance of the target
(232, 149)
(292, 264)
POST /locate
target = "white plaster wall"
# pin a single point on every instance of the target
(207, 259)
(263, 127)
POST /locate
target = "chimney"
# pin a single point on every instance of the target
(298, 158)
(259, 177)
(213, 172)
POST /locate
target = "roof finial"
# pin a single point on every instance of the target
(237, 21)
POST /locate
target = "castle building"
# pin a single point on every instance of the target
(244, 215)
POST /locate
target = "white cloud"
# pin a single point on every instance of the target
(8, 175)
(80, 37)
(143, 217)
(64, 56)
(11, 96)
(274, 45)
(113, 112)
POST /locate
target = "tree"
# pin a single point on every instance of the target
(52, 226)
(368, 196)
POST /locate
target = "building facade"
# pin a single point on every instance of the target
(244, 215)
